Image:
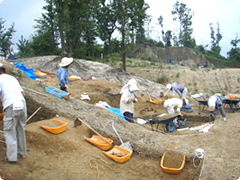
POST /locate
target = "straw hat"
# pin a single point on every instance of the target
(133, 85)
(6, 67)
(66, 61)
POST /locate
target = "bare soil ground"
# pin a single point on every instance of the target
(69, 156)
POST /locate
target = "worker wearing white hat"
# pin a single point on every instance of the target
(174, 103)
(62, 73)
(215, 103)
(179, 89)
(128, 99)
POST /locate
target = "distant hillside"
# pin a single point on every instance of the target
(178, 55)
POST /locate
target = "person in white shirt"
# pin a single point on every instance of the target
(128, 99)
(14, 115)
(174, 103)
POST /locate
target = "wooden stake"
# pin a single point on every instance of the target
(33, 114)
(35, 91)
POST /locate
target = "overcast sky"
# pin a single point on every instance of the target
(224, 12)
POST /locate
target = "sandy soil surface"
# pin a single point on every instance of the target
(69, 156)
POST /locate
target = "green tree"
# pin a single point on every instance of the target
(5, 39)
(137, 15)
(160, 21)
(184, 16)
(128, 21)
(42, 45)
(234, 53)
(215, 47)
(24, 48)
(106, 21)
(47, 26)
(168, 38)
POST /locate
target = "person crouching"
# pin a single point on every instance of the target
(174, 103)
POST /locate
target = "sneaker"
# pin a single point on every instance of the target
(12, 162)
(224, 119)
(19, 155)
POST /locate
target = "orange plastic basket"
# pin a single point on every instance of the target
(56, 130)
(172, 170)
(118, 149)
(72, 78)
(99, 142)
(156, 101)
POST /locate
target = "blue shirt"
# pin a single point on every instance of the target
(62, 75)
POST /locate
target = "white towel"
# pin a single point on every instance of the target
(18, 105)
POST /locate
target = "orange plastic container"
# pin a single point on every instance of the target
(172, 170)
(41, 74)
(99, 142)
(118, 149)
(230, 97)
(1, 116)
(156, 101)
(72, 78)
(56, 130)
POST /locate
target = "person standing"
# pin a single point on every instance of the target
(128, 99)
(62, 73)
(215, 104)
(15, 115)
(179, 89)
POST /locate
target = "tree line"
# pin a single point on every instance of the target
(74, 26)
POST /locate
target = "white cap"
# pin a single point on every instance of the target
(133, 85)
(212, 103)
(168, 86)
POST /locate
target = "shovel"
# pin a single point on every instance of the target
(79, 121)
(126, 145)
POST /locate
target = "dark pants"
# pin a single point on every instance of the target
(128, 116)
(213, 113)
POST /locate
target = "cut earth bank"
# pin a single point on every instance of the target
(68, 155)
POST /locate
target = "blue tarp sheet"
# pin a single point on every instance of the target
(28, 72)
(117, 112)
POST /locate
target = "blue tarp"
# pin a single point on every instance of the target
(28, 72)
(14, 57)
(117, 112)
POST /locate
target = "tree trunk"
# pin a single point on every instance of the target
(123, 39)
(61, 25)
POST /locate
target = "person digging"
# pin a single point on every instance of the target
(179, 89)
(214, 104)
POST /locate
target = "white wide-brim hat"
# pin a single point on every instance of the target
(66, 61)
(133, 85)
